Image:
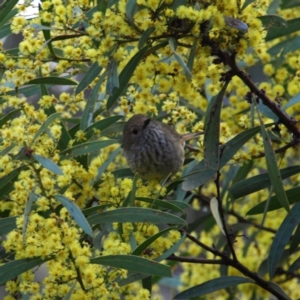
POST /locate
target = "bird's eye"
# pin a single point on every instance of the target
(135, 131)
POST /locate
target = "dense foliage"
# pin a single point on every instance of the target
(227, 225)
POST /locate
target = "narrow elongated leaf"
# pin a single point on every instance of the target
(174, 205)
(142, 247)
(282, 237)
(293, 101)
(273, 21)
(125, 76)
(292, 195)
(246, 3)
(52, 80)
(5, 10)
(46, 125)
(131, 277)
(14, 268)
(112, 77)
(212, 131)
(171, 250)
(130, 8)
(214, 207)
(289, 4)
(7, 225)
(294, 266)
(76, 213)
(86, 148)
(87, 115)
(5, 31)
(90, 75)
(10, 178)
(243, 171)
(32, 198)
(190, 62)
(273, 6)
(200, 174)
(135, 214)
(9, 116)
(258, 182)
(101, 125)
(105, 165)
(295, 240)
(145, 36)
(187, 71)
(48, 164)
(133, 263)
(292, 26)
(279, 290)
(272, 167)
(101, 6)
(70, 292)
(212, 286)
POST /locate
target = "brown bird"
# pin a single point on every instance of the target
(153, 150)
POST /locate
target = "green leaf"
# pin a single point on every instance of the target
(272, 167)
(101, 125)
(112, 77)
(171, 250)
(294, 266)
(273, 7)
(292, 195)
(10, 178)
(131, 277)
(87, 79)
(133, 263)
(9, 116)
(5, 31)
(186, 69)
(32, 198)
(289, 4)
(246, 3)
(130, 9)
(192, 55)
(52, 80)
(243, 171)
(293, 101)
(295, 240)
(135, 214)
(145, 36)
(86, 148)
(173, 205)
(70, 292)
(14, 268)
(214, 207)
(292, 26)
(273, 21)
(76, 213)
(143, 246)
(5, 10)
(101, 6)
(211, 286)
(48, 164)
(259, 182)
(282, 237)
(212, 131)
(46, 125)
(125, 76)
(7, 225)
(87, 115)
(279, 290)
(195, 179)
(105, 165)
